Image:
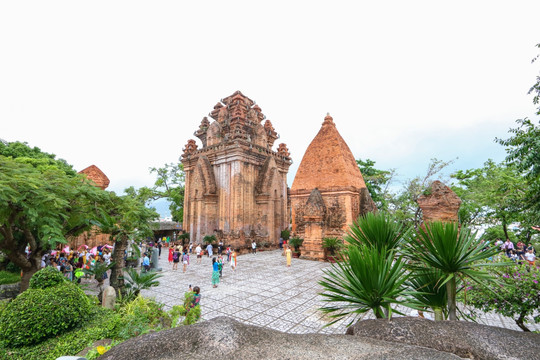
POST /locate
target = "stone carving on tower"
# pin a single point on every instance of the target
(328, 192)
(236, 185)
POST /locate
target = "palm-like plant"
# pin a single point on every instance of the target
(378, 230)
(428, 292)
(296, 243)
(135, 282)
(332, 244)
(454, 252)
(368, 280)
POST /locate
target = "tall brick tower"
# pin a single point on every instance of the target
(328, 192)
(236, 185)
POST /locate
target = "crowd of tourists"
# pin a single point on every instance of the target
(72, 262)
(519, 252)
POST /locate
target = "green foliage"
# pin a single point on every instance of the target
(493, 233)
(42, 206)
(7, 277)
(378, 230)
(493, 194)
(296, 243)
(428, 291)
(452, 250)
(98, 270)
(137, 281)
(169, 185)
(38, 314)
(191, 314)
(368, 280)
(102, 323)
(516, 294)
(209, 239)
(285, 234)
(141, 315)
(34, 156)
(47, 277)
(377, 182)
(332, 244)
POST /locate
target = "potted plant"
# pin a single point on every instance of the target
(296, 243)
(285, 235)
(332, 246)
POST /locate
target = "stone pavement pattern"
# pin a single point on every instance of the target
(264, 292)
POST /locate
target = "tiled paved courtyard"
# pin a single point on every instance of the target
(263, 291)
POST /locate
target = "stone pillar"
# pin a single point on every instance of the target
(312, 246)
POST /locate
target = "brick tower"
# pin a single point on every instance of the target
(236, 185)
(328, 192)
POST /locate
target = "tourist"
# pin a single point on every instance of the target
(159, 246)
(220, 264)
(198, 253)
(253, 247)
(215, 273)
(233, 260)
(68, 270)
(171, 250)
(220, 248)
(107, 257)
(288, 254)
(530, 257)
(146, 262)
(508, 247)
(280, 242)
(197, 297)
(176, 257)
(185, 259)
(209, 250)
(228, 254)
(191, 248)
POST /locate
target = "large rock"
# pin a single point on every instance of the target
(109, 297)
(224, 338)
(465, 339)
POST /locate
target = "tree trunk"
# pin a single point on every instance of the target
(439, 316)
(451, 292)
(519, 322)
(117, 271)
(505, 229)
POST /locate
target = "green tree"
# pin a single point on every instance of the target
(126, 217)
(453, 251)
(170, 184)
(377, 182)
(493, 194)
(40, 205)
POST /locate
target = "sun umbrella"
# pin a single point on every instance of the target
(93, 251)
(108, 246)
(82, 246)
(66, 249)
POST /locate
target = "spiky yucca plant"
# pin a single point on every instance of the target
(378, 230)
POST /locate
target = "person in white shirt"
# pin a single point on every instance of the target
(530, 257)
(254, 247)
(198, 252)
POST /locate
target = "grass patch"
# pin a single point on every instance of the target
(7, 277)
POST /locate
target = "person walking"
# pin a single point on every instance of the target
(253, 247)
(215, 273)
(233, 260)
(198, 252)
(176, 258)
(288, 254)
(146, 262)
(171, 250)
(220, 265)
(185, 259)
(209, 250)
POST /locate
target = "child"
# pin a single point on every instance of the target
(185, 260)
(220, 265)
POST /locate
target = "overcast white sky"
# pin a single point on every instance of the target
(124, 84)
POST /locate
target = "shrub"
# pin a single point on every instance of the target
(516, 295)
(285, 234)
(296, 243)
(209, 239)
(7, 277)
(38, 314)
(102, 324)
(47, 277)
(141, 315)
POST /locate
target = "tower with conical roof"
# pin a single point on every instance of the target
(328, 192)
(236, 185)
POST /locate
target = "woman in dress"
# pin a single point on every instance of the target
(288, 253)
(233, 260)
(215, 273)
(171, 250)
(176, 258)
